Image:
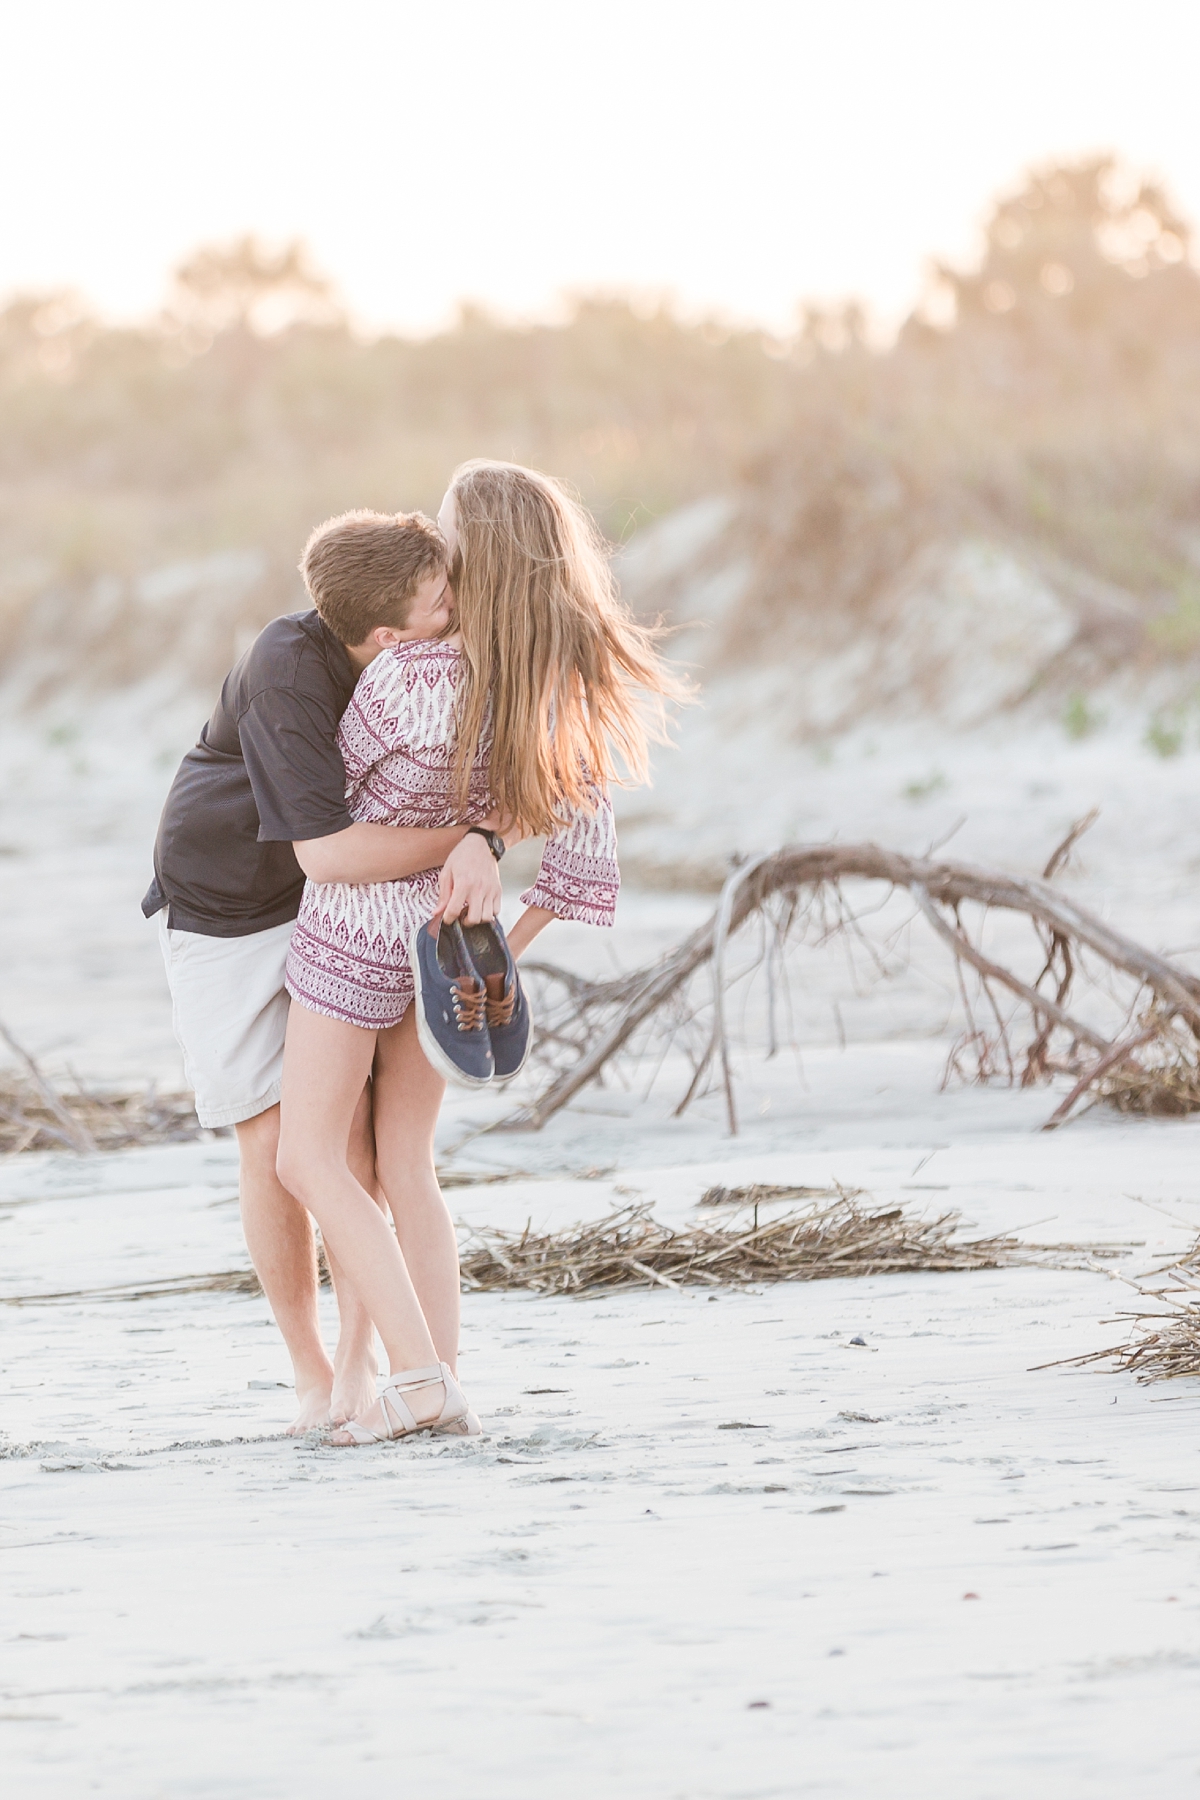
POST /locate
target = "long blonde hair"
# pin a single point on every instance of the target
(573, 680)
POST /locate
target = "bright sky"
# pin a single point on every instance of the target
(740, 155)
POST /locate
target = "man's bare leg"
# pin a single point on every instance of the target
(279, 1236)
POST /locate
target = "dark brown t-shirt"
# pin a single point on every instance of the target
(266, 771)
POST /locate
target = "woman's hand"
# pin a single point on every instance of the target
(469, 885)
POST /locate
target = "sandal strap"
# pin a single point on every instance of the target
(398, 1418)
(396, 1413)
(361, 1434)
(405, 1379)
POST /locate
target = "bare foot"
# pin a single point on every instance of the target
(314, 1410)
(354, 1389)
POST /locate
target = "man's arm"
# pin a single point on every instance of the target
(363, 853)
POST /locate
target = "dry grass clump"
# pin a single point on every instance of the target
(631, 1248)
(36, 1115)
(1162, 1343)
(1159, 1347)
(1164, 1350)
(37, 1118)
(221, 1281)
(1166, 1090)
(762, 1191)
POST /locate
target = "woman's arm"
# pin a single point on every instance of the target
(531, 921)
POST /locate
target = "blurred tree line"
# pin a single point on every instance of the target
(250, 409)
(1050, 396)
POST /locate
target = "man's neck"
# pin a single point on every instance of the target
(359, 655)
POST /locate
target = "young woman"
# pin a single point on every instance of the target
(521, 712)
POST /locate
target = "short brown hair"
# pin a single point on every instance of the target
(363, 568)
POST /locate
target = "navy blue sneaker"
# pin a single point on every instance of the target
(510, 1022)
(451, 1003)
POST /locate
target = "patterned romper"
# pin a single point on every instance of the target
(349, 952)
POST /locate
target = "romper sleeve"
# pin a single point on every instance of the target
(579, 878)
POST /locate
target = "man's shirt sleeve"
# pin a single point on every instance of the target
(289, 745)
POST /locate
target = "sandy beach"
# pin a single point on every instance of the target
(672, 1519)
(707, 1546)
(868, 342)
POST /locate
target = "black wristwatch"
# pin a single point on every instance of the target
(492, 839)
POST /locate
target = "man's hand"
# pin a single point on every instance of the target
(469, 886)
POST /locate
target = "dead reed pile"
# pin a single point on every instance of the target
(764, 1191)
(83, 1121)
(37, 1115)
(1160, 1090)
(630, 1248)
(1163, 1343)
(220, 1281)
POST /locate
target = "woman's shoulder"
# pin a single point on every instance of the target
(421, 661)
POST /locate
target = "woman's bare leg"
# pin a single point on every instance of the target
(407, 1097)
(355, 1361)
(325, 1068)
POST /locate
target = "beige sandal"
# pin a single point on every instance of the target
(467, 1426)
(398, 1418)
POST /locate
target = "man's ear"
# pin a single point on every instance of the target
(385, 637)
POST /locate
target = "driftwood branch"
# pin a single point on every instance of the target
(962, 946)
(605, 1016)
(1112, 1059)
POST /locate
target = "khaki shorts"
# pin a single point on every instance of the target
(229, 1012)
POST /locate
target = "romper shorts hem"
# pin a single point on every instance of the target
(327, 1010)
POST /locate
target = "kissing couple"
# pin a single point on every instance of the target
(328, 892)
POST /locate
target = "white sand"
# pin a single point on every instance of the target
(592, 1600)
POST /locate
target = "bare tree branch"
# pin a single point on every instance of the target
(606, 1015)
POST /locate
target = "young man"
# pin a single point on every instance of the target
(256, 806)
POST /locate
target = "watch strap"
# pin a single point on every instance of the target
(492, 839)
